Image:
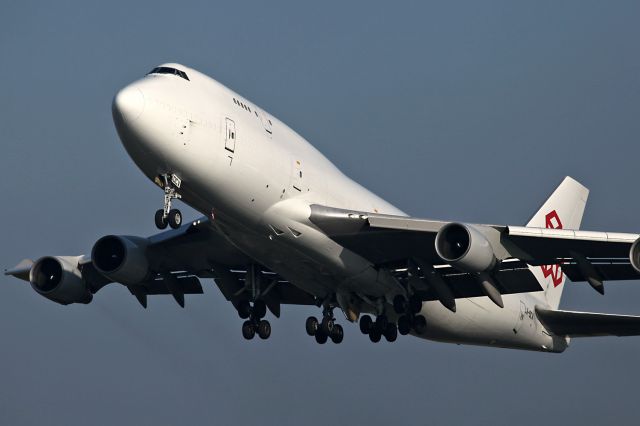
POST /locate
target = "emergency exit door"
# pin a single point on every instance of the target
(230, 137)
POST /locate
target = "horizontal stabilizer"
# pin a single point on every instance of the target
(588, 324)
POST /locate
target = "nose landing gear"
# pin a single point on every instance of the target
(166, 215)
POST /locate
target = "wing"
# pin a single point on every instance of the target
(587, 324)
(177, 260)
(237, 284)
(387, 239)
(379, 238)
(510, 277)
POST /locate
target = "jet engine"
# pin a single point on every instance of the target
(634, 255)
(58, 278)
(121, 259)
(465, 247)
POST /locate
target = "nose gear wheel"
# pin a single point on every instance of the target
(166, 215)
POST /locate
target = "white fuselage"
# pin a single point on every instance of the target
(257, 178)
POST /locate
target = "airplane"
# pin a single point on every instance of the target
(282, 225)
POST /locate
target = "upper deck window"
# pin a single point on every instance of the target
(168, 70)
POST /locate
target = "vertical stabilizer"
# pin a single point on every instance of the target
(562, 210)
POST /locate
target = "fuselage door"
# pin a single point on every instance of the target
(230, 137)
(266, 122)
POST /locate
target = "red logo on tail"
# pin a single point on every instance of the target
(552, 221)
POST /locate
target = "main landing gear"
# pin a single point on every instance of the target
(325, 329)
(255, 323)
(378, 328)
(409, 318)
(166, 215)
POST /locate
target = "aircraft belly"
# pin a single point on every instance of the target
(304, 256)
(477, 321)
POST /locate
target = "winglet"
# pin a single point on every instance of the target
(21, 270)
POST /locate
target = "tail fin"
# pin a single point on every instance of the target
(563, 209)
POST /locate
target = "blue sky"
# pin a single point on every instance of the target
(468, 111)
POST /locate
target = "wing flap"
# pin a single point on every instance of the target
(232, 287)
(588, 324)
(186, 285)
(608, 270)
(511, 278)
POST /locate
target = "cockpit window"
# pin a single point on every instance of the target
(168, 70)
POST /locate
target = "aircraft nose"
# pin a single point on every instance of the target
(128, 103)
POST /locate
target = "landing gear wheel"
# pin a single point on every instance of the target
(399, 304)
(161, 221)
(415, 305)
(327, 325)
(321, 337)
(337, 334)
(311, 325)
(391, 333)
(259, 309)
(366, 324)
(381, 324)
(375, 335)
(264, 329)
(404, 325)
(244, 309)
(419, 324)
(248, 331)
(175, 218)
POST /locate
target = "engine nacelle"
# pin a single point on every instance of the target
(465, 247)
(57, 278)
(634, 255)
(121, 259)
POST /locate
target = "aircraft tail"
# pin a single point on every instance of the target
(562, 210)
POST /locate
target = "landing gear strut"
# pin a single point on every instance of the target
(166, 215)
(252, 306)
(325, 329)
